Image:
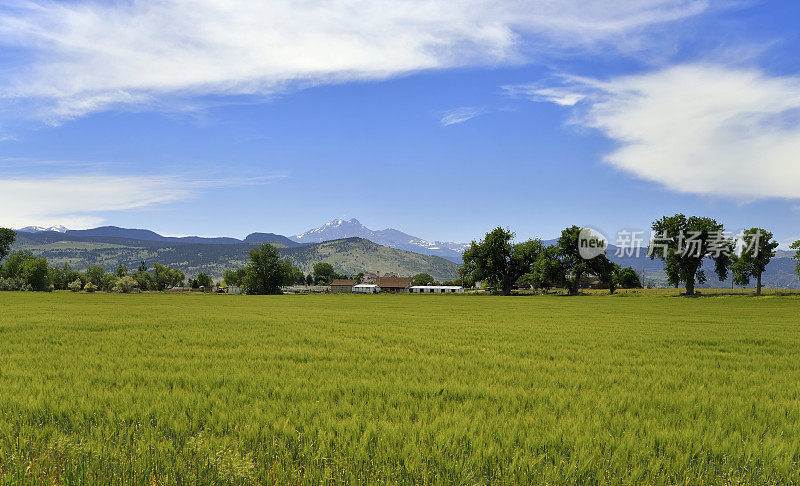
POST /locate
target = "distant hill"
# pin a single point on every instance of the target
(348, 256)
(146, 235)
(352, 228)
(271, 238)
(352, 255)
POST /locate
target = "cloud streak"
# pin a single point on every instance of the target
(76, 200)
(89, 56)
(695, 128)
(459, 115)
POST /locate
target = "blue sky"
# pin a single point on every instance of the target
(442, 119)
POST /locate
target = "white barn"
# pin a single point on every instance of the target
(366, 289)
(436, 289)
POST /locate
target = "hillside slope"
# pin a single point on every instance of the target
(348, 256)
(353, 255)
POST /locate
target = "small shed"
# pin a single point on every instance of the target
(343, 285)
(366, 289)
(436, 289)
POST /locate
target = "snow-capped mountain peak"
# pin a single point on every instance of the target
(40, 229)
(340, 228)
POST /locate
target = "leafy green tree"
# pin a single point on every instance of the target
(122, 270)
(7, 237)
(546, 271)
(574, 266)
(497, 261)
(143, 266)
(109, 282)
(627, 278)
(234, 277)
(683, 243)
(360, 277)
(266, 272)
(309, 279)
(324, 273)
(758, 250)
(96, 274)
(36, 274)
(76, 275)
(12, 268)
(422, 279)
(204, 280)
(297, 276)
(60, 276)
(143, 280)
(164, 277)
(161, 278)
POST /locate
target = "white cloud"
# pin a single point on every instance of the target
(76, 200)
(698, 128)
(459, 115)
(87, 56)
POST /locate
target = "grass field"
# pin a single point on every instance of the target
(469, 389)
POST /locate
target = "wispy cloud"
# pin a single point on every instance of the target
(78, 200)
(696, 128)
(88, 56)
(459, 115)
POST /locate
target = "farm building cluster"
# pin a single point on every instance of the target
(392, 285)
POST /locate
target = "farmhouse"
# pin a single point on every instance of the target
(436, 289)
(394, 285)
(366, 289)
(343, 285)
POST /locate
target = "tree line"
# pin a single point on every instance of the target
(504, 265)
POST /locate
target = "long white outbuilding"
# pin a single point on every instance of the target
(366, 289)
(436, 289)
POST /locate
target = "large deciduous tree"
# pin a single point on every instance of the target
(546, 271)
(499, 262)
(627, 278)
(574, 266)
(324, 273)
(683, 243)
(422, 279)
(758, 248)
(35, 273)
(266, 272)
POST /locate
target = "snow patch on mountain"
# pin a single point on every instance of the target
(352, 228)
(41, 229)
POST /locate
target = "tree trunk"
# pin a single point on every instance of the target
(575, 285)
(690, 286)
(758, 284)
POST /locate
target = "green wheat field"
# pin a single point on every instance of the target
(192, 388)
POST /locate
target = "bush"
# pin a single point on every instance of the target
(8, 284)
(90, 287)
(36, 274)
(109, 282)
(75, 286)
(126, 285)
